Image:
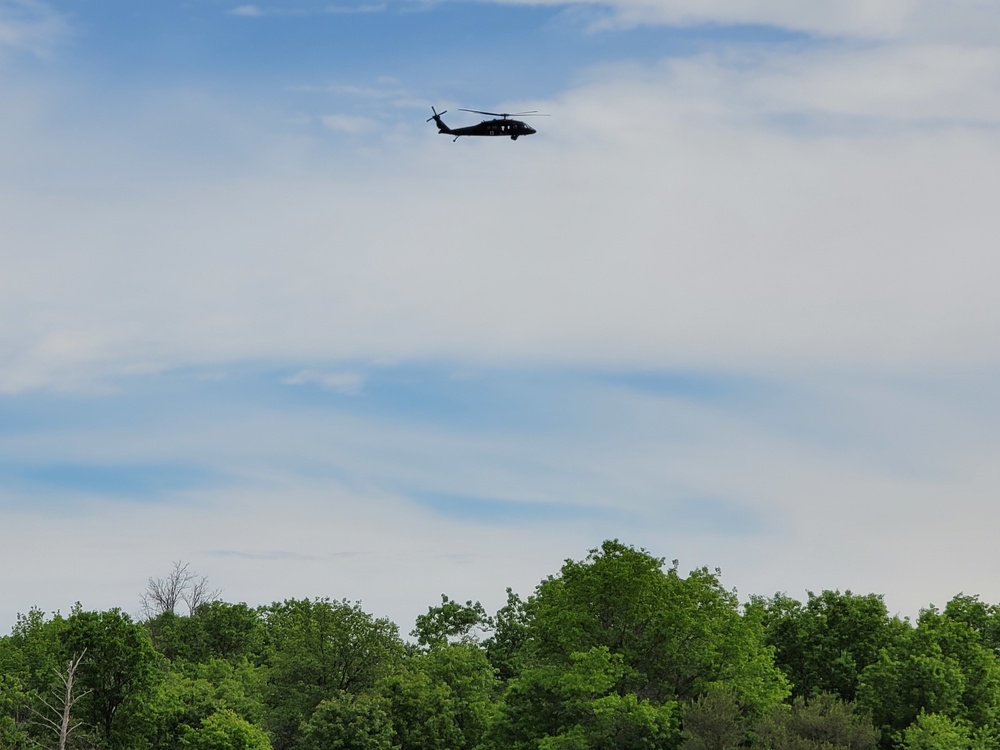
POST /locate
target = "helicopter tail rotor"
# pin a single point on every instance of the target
(436, 114)
(442, 128)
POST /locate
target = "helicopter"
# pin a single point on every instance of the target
(504, 125)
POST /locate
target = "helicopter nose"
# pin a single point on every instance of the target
(530, 129)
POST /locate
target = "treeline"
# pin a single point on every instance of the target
(616, 651)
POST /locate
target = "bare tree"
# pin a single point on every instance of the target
(163, 594)
(198, 593)
(59, 717)
(181, 585)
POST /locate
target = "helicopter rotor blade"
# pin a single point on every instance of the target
(507, 115)
(436, 114)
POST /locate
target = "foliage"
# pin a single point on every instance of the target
(348, 722)
(450, 621)
(224, 730)
(443, 698)
(984, 619)
(824, 645)
(189, 694)
(473, 685)
(215, 629)
(422, 711)
(505, 648)
(940, 667)
(824, 723)
(714, 721)
(32, 652)
(676, 636)
(617, 651)
(937, 732)
(117, 673)
(316, 649)
(13, 713)
(556, 708)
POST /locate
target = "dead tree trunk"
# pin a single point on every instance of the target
(60, 720)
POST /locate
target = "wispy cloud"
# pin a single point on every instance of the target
(383, 88)
(385, 96)
(352, 124)
(247, 11)
(32, 26)
(253, 555)
(940, 20)
(888, 85)
(687, 313)
(335, 501)
(256, 11)
(363, 8)
(343, 381)
(492, 511)
(137, 482)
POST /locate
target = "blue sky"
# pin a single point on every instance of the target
(734, 302)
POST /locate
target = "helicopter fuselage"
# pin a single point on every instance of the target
(510, 128)
(503, 126)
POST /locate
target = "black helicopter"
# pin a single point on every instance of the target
(502, 126)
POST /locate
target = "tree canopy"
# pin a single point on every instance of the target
(616, 651)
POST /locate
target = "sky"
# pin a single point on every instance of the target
(733, 303)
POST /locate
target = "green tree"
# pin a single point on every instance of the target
(33, 650)
(825, 644)
(317, 649)
(216, 629)
(190, 693)
(965, 644)
(824, 723)
(940, 667)
(937, 732)
(898, 687)
(676, 636)
(450, 621)
(442, 698)
(348, 721)
(466, 670)
(224, 730)
(577, 708)
(14, 713)
(422, 711)
(983, 618)
(506, 647)
(714, 721)
(117, 674)
(30, 661)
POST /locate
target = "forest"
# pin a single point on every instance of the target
(618, 650)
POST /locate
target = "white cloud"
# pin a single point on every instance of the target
(247, 11)
(896, 82)
(254, 11)
(325, 541)
(660, 218)
(32, 26)
(363, 8)
(940, 20)
(343, 381)
(321, 498)
(348, 124)
(788, 213)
